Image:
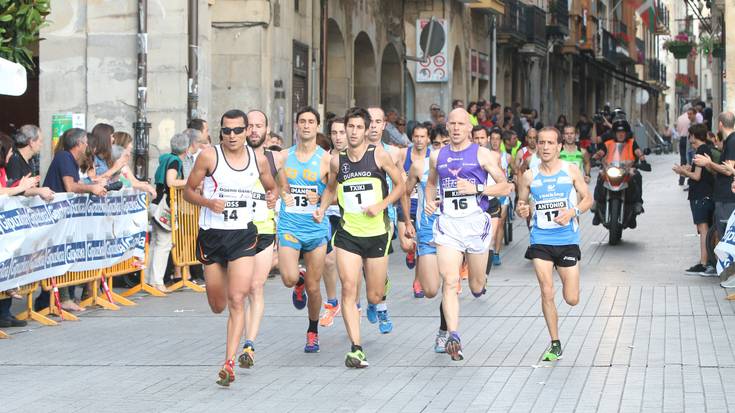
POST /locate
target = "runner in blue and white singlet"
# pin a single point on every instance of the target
(549, 196)
(552, 189)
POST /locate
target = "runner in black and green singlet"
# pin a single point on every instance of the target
(359, 176)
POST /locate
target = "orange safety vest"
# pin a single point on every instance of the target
(626, 155)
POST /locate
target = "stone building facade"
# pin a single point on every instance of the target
(278, 55)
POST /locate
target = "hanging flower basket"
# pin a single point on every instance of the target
(680, 51)
(718, 50)
(680, 46)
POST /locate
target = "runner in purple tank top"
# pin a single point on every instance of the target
(462, 169)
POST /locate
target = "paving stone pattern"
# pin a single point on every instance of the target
(644, 337)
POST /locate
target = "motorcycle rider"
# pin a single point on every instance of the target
(630, 153)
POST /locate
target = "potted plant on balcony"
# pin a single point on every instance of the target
(681, 45)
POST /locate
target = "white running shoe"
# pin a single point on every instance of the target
(729, 283)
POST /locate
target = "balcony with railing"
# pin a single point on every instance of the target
(512, 29)
(535, 26)
(640, 51)
(607, 46)
(582, 28)
(662, 19)
(626, 47)
(557, 23)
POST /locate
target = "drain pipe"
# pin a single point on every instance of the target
(192, 101)
(141, 125)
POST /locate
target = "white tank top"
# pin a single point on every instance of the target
(233, 186)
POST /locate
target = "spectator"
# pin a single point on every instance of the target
(535, 121)
(433, 112)
(99, 153)
(483, 119)
(170, 174)
(391, 134)
(63, 176)
(402, 127)
(441, 118)
(686, 120)
(202, 126)
(22, 185)
(472, 109)
(124, 141)
(699, 108)
(197, 143)
(701, 186)
(495, 116)
(28, 142)
(584, 126)
(561, 122)
(722, 195)
(457, 103)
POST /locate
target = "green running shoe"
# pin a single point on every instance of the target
(356, 359)
(554, 352)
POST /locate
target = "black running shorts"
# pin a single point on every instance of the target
(561, 255)
(493, 208)
(366, 247)
(221, 246)
(265, 241)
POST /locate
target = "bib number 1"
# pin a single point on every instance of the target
(358, 196)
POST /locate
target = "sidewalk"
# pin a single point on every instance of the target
(644, 337)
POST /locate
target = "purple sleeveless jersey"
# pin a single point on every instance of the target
(452, 165)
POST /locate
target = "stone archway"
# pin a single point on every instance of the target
(390, 79)
(458, 89)
(365, 76)
(337, 80)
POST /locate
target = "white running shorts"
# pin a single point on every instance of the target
(472, 234)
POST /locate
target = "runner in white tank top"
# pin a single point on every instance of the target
(227, 237)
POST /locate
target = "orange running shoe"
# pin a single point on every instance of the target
(330, 311)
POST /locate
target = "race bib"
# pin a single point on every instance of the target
(455, 204)
(415, 193)
(301, 203)
(260, 207)
(548, 210)
(237, 211)
(357, 196)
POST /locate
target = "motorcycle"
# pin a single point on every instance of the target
(615, 214)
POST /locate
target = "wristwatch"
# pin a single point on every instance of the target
(577, 211)
(480, 188)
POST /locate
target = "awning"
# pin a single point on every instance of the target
(494, 5)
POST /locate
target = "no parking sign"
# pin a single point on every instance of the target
(433, 69)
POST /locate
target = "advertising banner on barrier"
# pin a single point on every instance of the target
(74, 232)
(725, 249)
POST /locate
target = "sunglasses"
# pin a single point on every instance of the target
(238, 130)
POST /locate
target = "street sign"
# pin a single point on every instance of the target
(434, 67)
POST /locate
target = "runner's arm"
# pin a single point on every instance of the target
(489, 161)
(266, 178)
(330, 191)
(582, 189)
(386, 162)
(204, 163)
(430, 191)
(523, 208)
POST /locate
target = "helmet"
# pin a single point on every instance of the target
(618, 114)
(621, 125)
